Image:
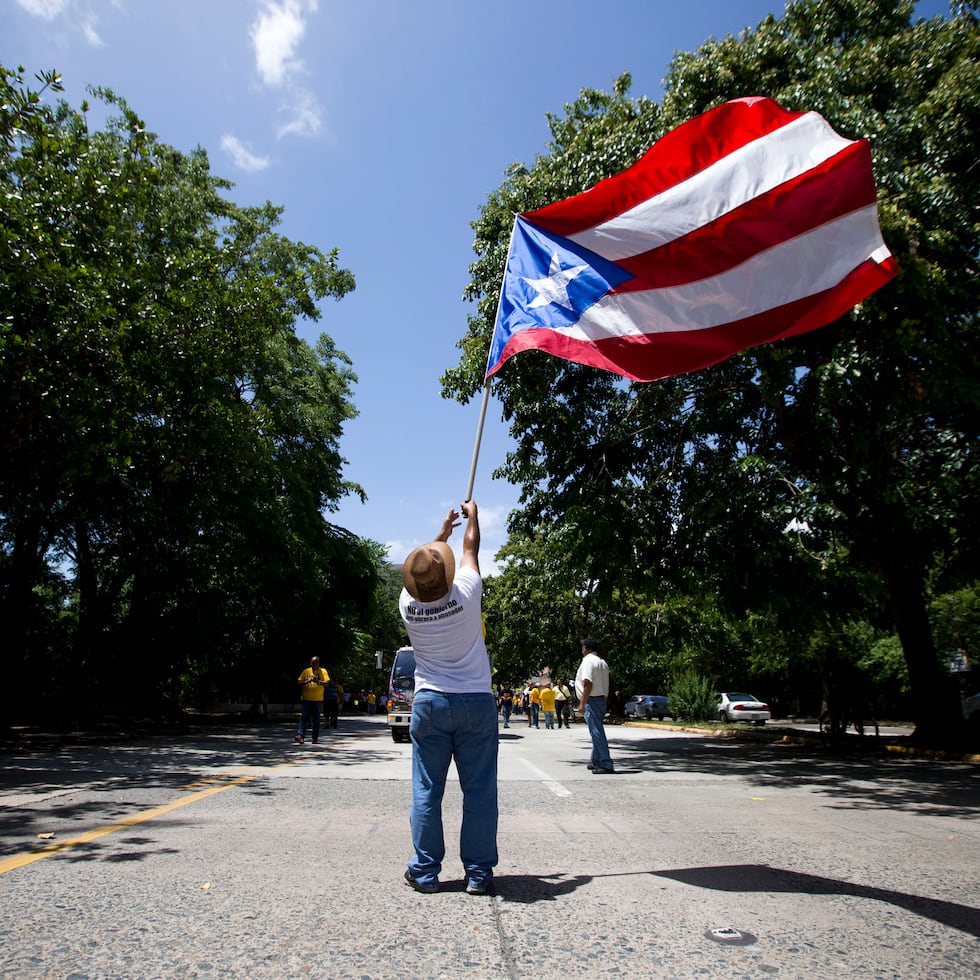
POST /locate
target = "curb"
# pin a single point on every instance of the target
(780, 736)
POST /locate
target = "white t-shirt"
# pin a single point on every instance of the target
(593, 668)
(447, 635)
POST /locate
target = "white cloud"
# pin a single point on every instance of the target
(241, 155)
(302, 115)
(276, 34)
(398, 549)
(493, 521)
(48, 9)
(91, 34)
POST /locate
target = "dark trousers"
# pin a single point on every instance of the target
(330, 712)
(564, 711)
(309, 718)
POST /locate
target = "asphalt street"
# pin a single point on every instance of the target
(234, 853)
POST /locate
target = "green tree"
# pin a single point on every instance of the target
(168, 445)
(769, 481)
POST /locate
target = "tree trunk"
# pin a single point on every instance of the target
(937, 713)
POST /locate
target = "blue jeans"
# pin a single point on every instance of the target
(461, 727)
(309, 718)
(595, 711)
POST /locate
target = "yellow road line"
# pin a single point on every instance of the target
(219, 778)
(21, 860)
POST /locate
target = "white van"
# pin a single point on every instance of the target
(401, 690)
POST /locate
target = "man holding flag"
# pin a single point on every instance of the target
(454, 711)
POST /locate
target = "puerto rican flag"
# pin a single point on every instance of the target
(743, 226)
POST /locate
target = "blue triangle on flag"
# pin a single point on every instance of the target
(550, 280)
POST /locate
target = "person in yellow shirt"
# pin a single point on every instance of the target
(563, 703)
(534, 702)
(547, 695)
(311, 683)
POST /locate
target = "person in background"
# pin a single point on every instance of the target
(311, 683)
(547, 694)
(563, 703)
(592, 681)
(616, 706)
(331, 703)
(454, 712)
(534, 703)
(526, 703)
(506, 704)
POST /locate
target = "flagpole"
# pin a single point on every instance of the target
(486, 379)
(479, 437)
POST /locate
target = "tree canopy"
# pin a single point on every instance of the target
(800, 486)
(169, 447)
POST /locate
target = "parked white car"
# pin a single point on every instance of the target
(733, 706)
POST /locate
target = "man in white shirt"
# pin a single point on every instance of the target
(454, 712)
(592, 683)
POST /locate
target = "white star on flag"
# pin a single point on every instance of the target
(554, 289)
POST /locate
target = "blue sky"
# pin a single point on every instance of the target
(381, 126)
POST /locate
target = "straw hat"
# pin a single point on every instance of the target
(429, 570)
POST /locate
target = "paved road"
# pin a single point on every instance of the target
(237, 854)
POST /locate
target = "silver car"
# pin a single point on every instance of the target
(647, 706)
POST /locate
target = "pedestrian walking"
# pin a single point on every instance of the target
(534, 701)
(331, 703)
(547, 694)
(563, 703)
(506, 704)
(311, 683)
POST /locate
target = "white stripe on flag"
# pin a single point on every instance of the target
(739, 177)
(803, 266)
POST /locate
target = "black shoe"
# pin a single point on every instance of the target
(418, 886)
(603, 772)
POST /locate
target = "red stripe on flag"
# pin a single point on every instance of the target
(650, 357)
(743, 226)
(840, 185)
(681, 153)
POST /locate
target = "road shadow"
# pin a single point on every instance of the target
(924, 787)
(762, 878)
(527, 889)
(80, 784)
